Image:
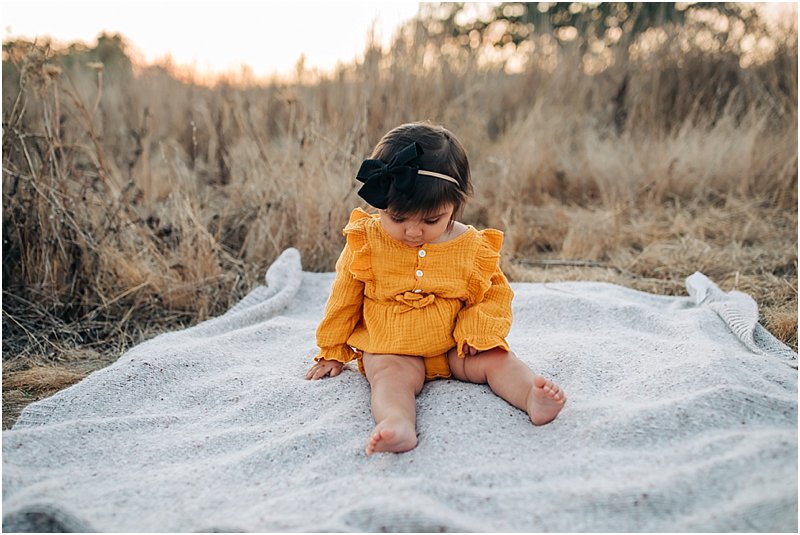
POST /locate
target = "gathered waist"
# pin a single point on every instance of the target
(414, 301)
(410, 324)
(408, 301)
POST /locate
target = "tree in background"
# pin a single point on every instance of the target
(689, 59)
(501, 31)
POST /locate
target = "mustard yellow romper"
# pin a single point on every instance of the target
(391, 298)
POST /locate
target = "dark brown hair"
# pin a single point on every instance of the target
(442, 153)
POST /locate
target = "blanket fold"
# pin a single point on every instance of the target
(682, 416)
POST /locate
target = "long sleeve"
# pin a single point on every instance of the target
(342, 312)
(485, 321)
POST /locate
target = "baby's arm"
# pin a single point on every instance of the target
(485, 324)
(342, 313)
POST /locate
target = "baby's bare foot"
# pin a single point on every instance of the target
(393, 438)
(545, 401)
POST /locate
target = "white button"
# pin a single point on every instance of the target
(422, 253)
(417, 291)
(419, 273)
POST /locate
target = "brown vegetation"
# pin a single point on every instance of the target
(134, 203)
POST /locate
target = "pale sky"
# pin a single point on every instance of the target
(216, 36)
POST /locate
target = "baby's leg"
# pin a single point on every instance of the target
(512, 380)
(395, 381)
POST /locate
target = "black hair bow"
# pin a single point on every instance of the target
(378, 176)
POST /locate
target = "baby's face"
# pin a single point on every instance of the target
(416, 230)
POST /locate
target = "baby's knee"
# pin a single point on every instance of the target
(477, 368)
(496, 356)
(491, 360)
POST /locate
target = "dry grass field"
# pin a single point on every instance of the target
(137, 202)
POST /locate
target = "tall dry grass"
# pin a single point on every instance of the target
(135, 203)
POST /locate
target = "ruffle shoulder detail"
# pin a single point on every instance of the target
(356, 234)
(487, 263)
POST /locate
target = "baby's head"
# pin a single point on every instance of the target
(442, 154)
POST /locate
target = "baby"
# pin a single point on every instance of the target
(420, 296)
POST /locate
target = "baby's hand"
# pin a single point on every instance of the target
(323, 368)
(469, 351)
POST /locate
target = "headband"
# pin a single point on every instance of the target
(401, 171)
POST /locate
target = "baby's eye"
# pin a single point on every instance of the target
(431, 221)
(397, 219)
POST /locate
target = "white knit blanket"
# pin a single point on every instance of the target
(682, 416)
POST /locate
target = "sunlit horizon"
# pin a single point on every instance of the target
(243, 41)
(216, 39)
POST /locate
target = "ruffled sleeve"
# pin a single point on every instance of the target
(344, 308)
(356, 233)
(486, 319)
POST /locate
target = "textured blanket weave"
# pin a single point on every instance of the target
(682, 416)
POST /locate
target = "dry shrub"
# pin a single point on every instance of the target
(592, 234)
(45, 379)
(782, 324)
